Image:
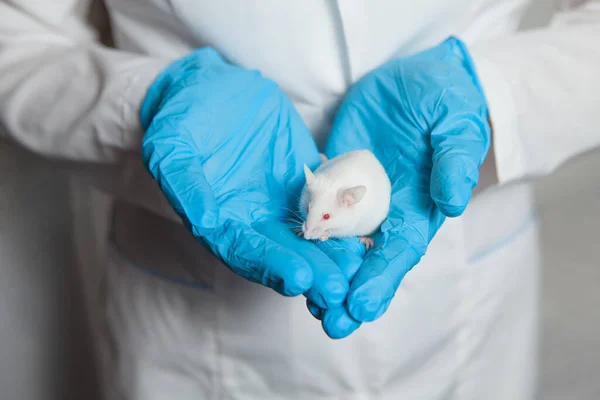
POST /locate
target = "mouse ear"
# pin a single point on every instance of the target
(310, 177)
(351, 196)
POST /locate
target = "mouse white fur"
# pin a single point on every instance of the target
(346, 196)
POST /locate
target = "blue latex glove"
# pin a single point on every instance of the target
(227, 149)
(336, 321)
(426, 119)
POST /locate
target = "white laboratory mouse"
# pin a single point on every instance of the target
(346, 196)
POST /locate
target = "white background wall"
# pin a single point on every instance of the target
(570, 210)
(43, 343)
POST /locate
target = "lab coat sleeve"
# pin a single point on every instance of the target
(66, 97)
(543, 91)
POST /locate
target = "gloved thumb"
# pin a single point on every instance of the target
(453, 177)
(461, 134)
(460, 143)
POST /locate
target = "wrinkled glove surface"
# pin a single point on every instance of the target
(426, 119)
(227, 149)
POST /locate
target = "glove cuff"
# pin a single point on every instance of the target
(174, 72)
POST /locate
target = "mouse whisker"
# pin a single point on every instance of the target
(293, 194)
(298, 232)
(296, 214)
(294, 220)
(292, 211)
(295, 227)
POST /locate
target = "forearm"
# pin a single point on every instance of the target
(63, 95)
(543, 89)
(66, 97)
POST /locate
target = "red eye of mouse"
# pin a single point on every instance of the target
(326, 216)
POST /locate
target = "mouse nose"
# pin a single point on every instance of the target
(309, 233)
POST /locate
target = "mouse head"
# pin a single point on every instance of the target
(326, 209)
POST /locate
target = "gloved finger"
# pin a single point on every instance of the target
(314, 309)
(337, 323)
(459, 147)
(329, 286)
(169, 157)
(378, 278)
(347, 254)
(256, 257)
(175, 71)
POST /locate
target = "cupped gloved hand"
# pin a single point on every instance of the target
(426, 119)
(336, 321)
(227, 149)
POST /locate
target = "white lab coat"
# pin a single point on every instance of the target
(178, 324)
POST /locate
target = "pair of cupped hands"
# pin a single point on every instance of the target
(227, 148)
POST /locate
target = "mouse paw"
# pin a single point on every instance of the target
(367, 241)
(324, 237)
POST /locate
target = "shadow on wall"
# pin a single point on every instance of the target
(570, 210)
(43, 338)
(539, 13)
